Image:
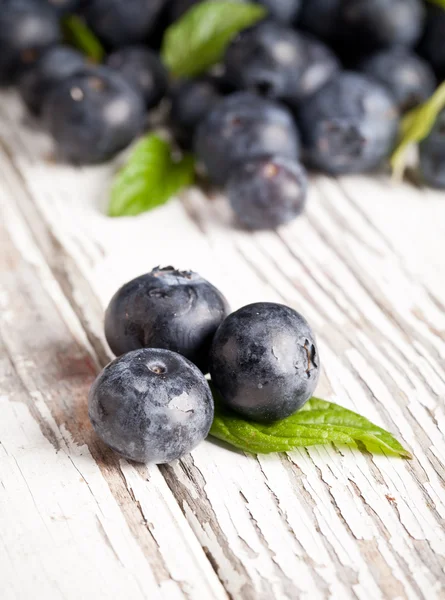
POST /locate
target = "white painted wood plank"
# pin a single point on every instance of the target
(364, 267)
(75, 521)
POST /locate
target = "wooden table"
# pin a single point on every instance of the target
(366, 266)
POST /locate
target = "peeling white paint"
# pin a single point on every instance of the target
(51, 504)
(323, 523)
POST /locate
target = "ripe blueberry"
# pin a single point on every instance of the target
(180, 7)
(373, 24)
(123, 22)
(92, 115)
(432, 155)
(410, 79)
(191, 100)
(321, 17)
(264, 361)
(151, 405)
(63, 7)
(166, 308)
(284, 11)
(141, 68)
(278, 62)
(267, 192)
(27, 29)
(432, 44)
(358, 26)
(56, 64)
(348, 126)
(241, 126)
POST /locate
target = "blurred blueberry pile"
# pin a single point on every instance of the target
(256, 97)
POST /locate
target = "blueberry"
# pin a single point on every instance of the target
(264, 361)
(141, 68)
(242, 126)
(410, 79)
(278, 62)
(381, 23)
(92, 115)
(191, 100)
(64, 7)
(432, 155)
(151, 405)
(56, 64)
(284, 11)
(349, 126)
(166, 308)
(363, 25)
(123, 22)
(432, 44)
(27, 29)
(180, 7)
(267, 192)
(321, 17)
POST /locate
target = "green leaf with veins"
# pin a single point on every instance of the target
(198, 40)
(79, 35)
(318, 422)
(150, 178)
(416, 126)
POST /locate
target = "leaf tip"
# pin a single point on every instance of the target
(198, 39)
(406, 454)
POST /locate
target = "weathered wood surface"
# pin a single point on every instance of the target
(365, 265)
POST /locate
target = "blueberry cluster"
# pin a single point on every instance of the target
(318, 82)
(169, 328)
(92, 111)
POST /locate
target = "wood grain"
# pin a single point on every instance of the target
(365, 266)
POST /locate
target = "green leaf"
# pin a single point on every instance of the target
(150, 178)
(198, 40)
(415, 126)
(78, 34)
(318, 422)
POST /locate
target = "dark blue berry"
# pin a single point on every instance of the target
(151, 405)
(376, 24)
(284, 11)
(64, 7)
(141, 68)
(180, 7)
(27, 29)
(357, 26)
(432, 46)
(348, 126)
(432, 155)
(267, 192)
(410, 79)
(264, 361)
(321, 17)
(191, 100)
(123, 22)
(92, 115)
(242, 126)
(176, 310)
(56, 64)
(278, 62)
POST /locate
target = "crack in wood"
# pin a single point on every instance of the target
(345, 557)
